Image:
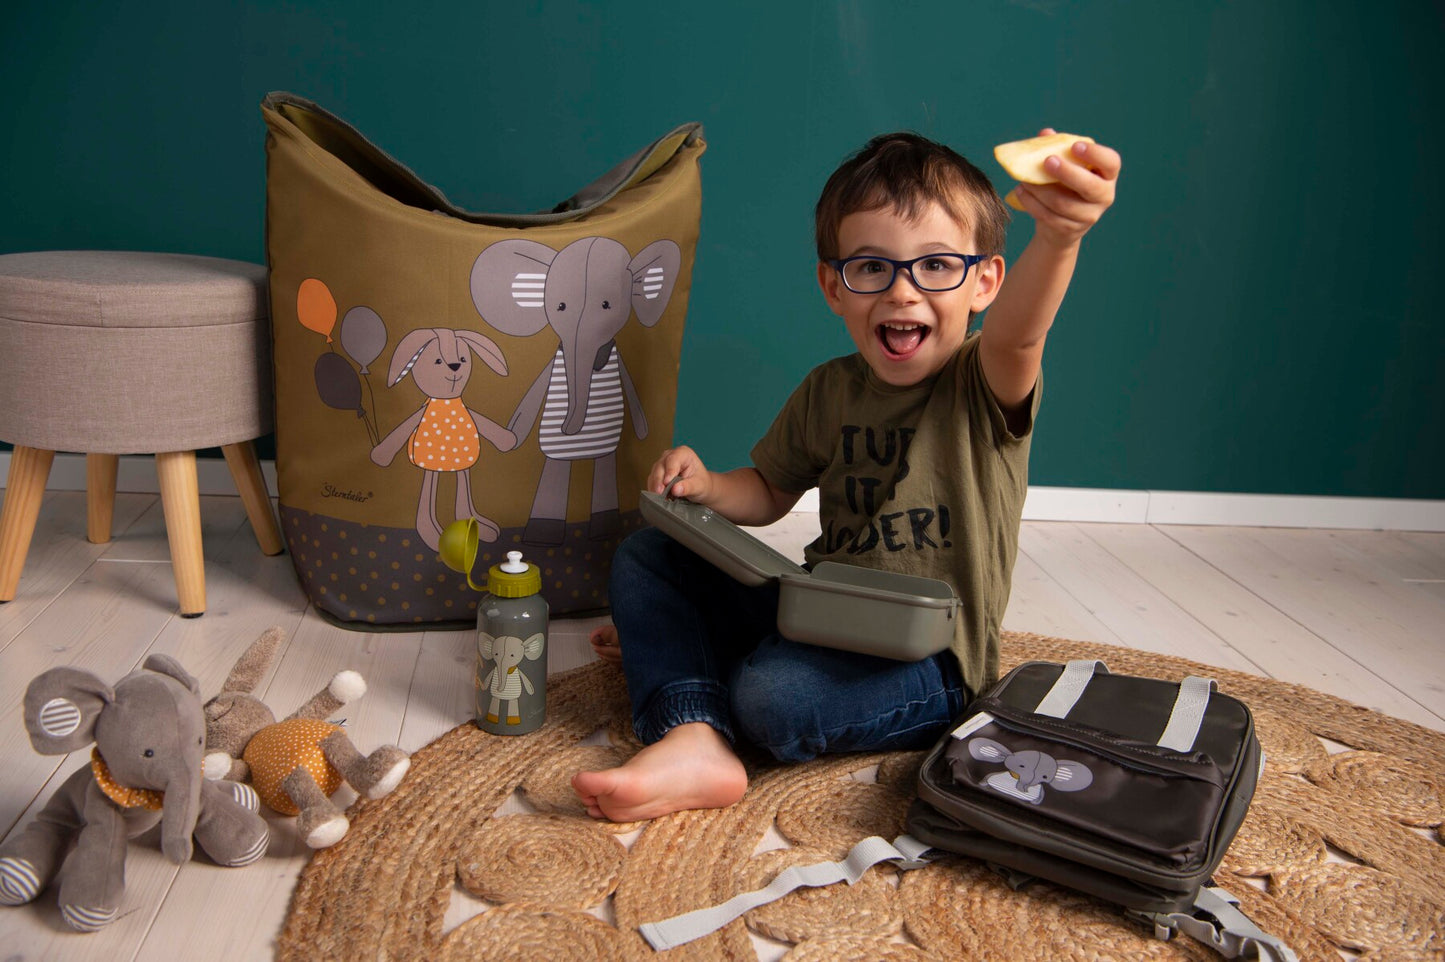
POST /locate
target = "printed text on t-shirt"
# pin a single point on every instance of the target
(864, 448)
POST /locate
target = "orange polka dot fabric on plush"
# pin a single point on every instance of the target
(276, 750)
(446, 439)
(147, 798)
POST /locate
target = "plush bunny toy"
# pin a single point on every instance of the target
(149, 735)
(297, 763)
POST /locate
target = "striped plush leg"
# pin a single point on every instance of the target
(31, 858)
(229, 830)
(19, 881)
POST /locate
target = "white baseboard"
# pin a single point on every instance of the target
(1117, 506)
(1295, 511)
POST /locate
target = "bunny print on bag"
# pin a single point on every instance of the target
(444, 435)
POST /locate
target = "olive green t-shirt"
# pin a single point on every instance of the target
(923, 480)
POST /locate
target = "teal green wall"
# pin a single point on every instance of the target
(1258, 313)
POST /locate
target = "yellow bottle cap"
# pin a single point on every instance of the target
(458, 548)
(514, 578)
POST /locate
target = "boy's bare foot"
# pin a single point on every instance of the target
(693, 766)
(605, 644)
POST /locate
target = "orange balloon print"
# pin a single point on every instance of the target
(316, 307)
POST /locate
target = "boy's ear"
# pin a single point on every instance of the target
(990, 280)
(831, 284)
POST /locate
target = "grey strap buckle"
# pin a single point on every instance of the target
(1230, 933)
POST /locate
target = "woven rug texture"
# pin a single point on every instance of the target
(1341, 849)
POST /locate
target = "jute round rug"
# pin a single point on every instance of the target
(1341, 850)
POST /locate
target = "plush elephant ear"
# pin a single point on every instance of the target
(61, 706)
(486, 646)
(533, 646)
(166, 665)
(654, 275)
(509, 285)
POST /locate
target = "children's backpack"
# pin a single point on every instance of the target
(1129, 789)
(434, 364)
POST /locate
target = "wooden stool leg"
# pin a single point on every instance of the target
(181, 502)
(24, 490)
(246, 470)
(100, 472)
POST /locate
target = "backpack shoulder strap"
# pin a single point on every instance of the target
(905, 852)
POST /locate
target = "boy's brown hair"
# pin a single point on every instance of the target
(905, 171)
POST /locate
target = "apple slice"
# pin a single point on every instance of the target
(1023, 160)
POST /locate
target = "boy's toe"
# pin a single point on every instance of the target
(605, 644)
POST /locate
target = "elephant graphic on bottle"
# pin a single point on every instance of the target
(506, 681)
(585, 292)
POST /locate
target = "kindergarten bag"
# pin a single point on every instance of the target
(434, 364)
(1127, 788)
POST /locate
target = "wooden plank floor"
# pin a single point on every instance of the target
(1360, 615)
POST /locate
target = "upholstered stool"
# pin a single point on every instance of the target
(110, 353)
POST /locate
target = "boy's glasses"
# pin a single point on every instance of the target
(871, 274)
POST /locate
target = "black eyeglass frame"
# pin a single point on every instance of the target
(969, 260)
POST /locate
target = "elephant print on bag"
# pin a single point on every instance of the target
(585, 292)
(1026, 773)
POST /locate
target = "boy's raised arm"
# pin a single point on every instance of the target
(1012, 343)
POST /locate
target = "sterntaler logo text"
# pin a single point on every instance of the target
(329, 490)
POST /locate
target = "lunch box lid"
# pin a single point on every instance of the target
(717, 540)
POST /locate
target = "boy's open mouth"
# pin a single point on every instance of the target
(901, 338)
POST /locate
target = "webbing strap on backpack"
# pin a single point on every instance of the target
(905, 852)
(1072, 681)
(1230, 932)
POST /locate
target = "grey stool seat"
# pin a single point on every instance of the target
(117, 352)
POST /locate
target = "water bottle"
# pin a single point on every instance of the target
(511, 679)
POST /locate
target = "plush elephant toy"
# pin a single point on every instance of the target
(149, 735)
(297, 763)
(585, 292)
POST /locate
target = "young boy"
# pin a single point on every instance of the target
(918, 444)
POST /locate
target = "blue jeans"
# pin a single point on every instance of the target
(698, 646)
